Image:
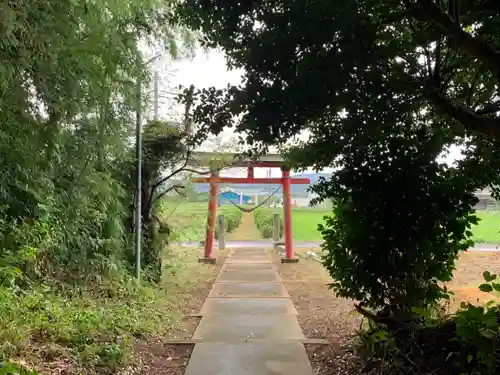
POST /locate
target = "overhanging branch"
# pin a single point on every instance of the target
(176, 188)
(466, 42)
(468, 118)
(169, 176)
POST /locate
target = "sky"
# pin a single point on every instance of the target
(206, 69)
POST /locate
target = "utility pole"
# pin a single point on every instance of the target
(156, 96)
(138, 186)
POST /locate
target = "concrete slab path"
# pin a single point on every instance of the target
(249, 323)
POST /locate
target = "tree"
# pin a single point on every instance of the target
(382, 88)
(167, 152)
(69, 73)
(441, 53)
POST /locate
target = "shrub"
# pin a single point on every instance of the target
(465, 343)
(232, 219)
(400, 222)
(264, 220)
(478, 333)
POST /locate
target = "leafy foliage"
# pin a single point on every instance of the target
(264, 220)
(232, 219)
(436, 54)
(15, 369)
(478, 331)
(68, 95)
(400, 221)
(382, 89)
(462, 343)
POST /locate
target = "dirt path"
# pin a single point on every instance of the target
(323, 316)
(249, 323)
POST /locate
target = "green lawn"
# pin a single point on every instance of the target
(188, 221)
(488, 228)
(305, 224)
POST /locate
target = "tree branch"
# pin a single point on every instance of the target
(469, 119)
(467, 43)
(489, 108)
(195, 171)
(176, 171)
(163, 193)
(472, 86)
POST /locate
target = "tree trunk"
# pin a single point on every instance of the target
(152, 255)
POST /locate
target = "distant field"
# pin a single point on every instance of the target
(305, 223)
(488, 228)
(188, 221)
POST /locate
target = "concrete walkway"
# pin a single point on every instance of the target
(249, 324)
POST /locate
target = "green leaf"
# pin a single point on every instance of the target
(496, 287)
(487, 276)
(487, 288)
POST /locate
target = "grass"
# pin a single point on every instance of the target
(188, 220)
(96, 326)
(305, 224)
(487, 231)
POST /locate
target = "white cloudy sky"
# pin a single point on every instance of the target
(206, 69)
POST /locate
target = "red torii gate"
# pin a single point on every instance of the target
(217, 162)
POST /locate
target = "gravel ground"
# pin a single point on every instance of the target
(322, 316)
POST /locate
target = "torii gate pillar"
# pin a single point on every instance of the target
(287, 213)
(212, 214)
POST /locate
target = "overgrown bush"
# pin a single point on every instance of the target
(400, 222)
(232, 219)
(264, 220)
(478, 333)
(97, 321)
(463, 343)
(67, 118)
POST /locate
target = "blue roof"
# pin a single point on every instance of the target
(233, 197)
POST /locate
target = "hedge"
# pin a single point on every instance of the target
(264, 220)
(232, 218)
